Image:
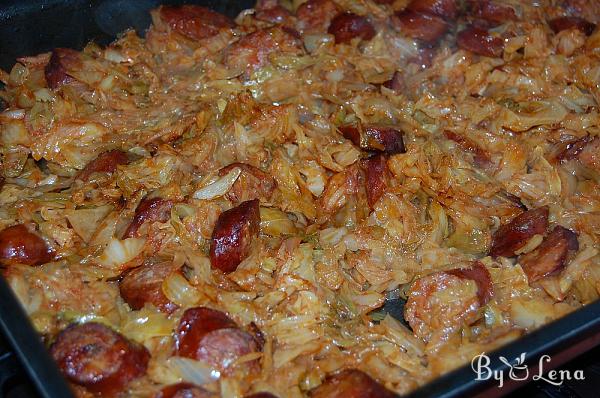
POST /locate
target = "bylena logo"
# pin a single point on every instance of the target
(518, 370)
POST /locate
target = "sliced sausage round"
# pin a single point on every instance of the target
(376, 172)
(233, 235)
(563, 23)
(446, 9)
(492, 11)
(96, 357)
(416, 25)
(478, 273)
(551, 255)
(350, 383)
(153, 210)
(61, 61)
(374, 137)
(480, 42)
(195, 22)
(513, 235)
(272, 13)
(20, 246)
(347, 26)
(211, 336)
(143, 285)
(252, 51)
(106, 162)
(314, 16)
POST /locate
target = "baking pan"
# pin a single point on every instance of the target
(35, 26)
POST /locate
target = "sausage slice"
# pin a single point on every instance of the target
(480, 42)
(233, 234)
(514, 235)
(252, 51)
(195, 22)
(420, 26)
(144, 285)
(374, 137)
(61, 61)
(446, 9)
(153, 210)
(314, 16)
(376, 172)
(564, 23)
(20, 246)
(492, 11)
(551, 255)
(106, 162)
(96, 357)
(346, 26)
(211, 336)
(478, 273)
(351, 383)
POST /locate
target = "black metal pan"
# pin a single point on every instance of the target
(35, 26)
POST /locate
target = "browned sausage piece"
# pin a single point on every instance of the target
(106, 162)
(564, 23)
(480, 42)
(481, 276)
(374, 137)
(346, 26)
(195, 324)
(20, 246)
(376, 172)
(98, 358)
(492, 11)
(314, 16)
(442, 8)
(350, 383)
(480, 157)
(551, 255)
(253, 183)
(143, 285)
(211, 336)
(276, 14)
(154, 210)
(195, 22)
(184, 390)
(426, 27)
(514, 235)
(233, 234)
(252, 51)
(61, 61)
